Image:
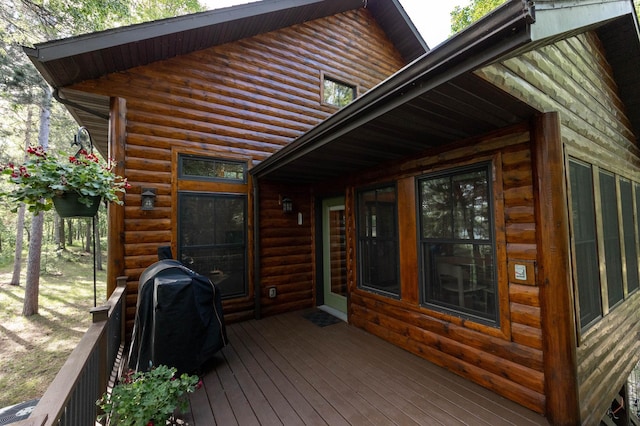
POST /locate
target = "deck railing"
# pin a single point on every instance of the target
(89, 370)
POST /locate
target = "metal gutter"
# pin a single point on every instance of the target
(56, 95)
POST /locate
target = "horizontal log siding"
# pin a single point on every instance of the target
(245, 99)
(508, 359)
(286, 249)
(574, 78)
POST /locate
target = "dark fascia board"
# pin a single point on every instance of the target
(516, 26)
(48, 56)
(91, 42)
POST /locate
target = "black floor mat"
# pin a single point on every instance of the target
(321, 318)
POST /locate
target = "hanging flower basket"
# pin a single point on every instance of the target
(44, 177)
(69, 205)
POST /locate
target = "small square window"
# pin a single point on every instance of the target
(337, 93)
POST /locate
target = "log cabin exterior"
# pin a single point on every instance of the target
(479, 208)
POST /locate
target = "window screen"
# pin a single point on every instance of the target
(212, 238)
(586, 246)
(611, 229)
(378, 240)
(630, 251)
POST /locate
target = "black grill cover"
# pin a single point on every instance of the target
(179, 321)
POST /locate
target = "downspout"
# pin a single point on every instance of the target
(256, 251)
(56, 96)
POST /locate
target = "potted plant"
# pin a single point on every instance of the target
(44, 180)
(148, 398)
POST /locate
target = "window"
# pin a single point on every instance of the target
(585, 243)
(630, 251)
(378, 240)
(212, 238)
(203, 168)
(337, 93)
(457, 242)
(611, 230)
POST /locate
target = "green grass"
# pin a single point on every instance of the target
(33, 349)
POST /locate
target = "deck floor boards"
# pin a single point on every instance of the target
(285, 370)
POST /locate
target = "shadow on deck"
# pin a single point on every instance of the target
(287, 370)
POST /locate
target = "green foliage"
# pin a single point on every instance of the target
(43, 176)
(150, 398)
(462, 17)
(34, 349)
(151, 10)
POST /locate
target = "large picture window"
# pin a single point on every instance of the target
(378, 240)
(457, 242)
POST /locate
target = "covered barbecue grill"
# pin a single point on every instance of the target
(178, 321)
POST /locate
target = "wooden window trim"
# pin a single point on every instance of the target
(498, 244)
(178, 185)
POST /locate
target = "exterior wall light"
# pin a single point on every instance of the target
(287, 205)
(148, 198)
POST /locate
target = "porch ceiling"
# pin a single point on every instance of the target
(463, 107)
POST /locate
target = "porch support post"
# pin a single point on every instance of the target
(556, 295)
(115, 233)
(257, 288)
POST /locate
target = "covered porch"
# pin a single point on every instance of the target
(286, 369)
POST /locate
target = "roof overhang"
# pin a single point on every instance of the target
(66, 62)
(437, 99)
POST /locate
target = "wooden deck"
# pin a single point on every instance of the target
(287, 370)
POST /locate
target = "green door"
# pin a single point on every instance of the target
(334, 255)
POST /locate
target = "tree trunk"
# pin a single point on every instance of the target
(56, 231)
(32, 286)
(87, 240)
(69, 232)
(31, 291)
(17, 258)
(61, 242)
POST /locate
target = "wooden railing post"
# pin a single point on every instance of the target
(101, 314)
(122, 282)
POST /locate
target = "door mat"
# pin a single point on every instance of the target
(321, 318)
